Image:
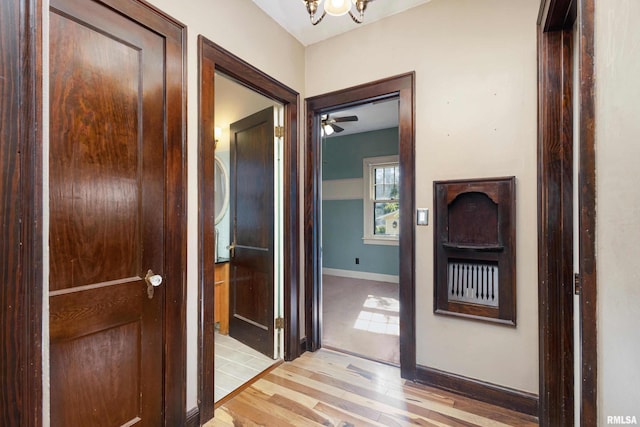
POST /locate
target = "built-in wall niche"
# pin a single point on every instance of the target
(475, 249)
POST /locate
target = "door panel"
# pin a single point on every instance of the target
(106, 217)
(251, 272)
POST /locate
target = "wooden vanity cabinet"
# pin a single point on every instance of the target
(221, 297)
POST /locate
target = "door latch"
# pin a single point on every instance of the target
(232, 250)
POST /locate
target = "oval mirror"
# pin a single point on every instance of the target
(221, 189)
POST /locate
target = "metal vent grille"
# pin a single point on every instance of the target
(475, 283)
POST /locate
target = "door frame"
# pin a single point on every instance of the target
(402, 87)
(21, 189)
(555, 204)
(28, 287)
(212, 58)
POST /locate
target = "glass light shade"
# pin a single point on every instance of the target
(328, 130)
(337, 7)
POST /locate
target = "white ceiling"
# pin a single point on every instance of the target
(292, 16)
(372, 116)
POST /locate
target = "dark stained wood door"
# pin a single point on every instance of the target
(251, 273)
(107, 193)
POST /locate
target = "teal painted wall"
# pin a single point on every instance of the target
(342, 155)
(342, 241)
(342, 220)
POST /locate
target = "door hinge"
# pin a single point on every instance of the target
(279, 322)
(577, 285)
(279, 131)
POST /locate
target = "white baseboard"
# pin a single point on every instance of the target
(361, 275)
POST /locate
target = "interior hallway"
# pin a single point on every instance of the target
(334, 389)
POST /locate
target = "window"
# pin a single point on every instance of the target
(381, 200)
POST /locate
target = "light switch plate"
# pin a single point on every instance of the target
(423, 216)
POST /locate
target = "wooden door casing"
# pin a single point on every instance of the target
(402, 87)
(251, 272)
(116, 210)
(212, 58)
(20, 214)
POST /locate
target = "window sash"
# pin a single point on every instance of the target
(382, 184)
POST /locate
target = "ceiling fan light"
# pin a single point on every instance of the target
(328, 130)
(337, 7)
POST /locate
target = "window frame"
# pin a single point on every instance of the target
(369, 164)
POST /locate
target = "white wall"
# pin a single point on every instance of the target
(243, 29)
(618, 206)
(475, 64)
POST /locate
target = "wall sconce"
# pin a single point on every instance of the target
(217, 133)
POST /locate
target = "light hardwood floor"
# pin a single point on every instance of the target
(333, 389)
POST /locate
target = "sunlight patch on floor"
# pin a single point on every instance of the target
(379, 323)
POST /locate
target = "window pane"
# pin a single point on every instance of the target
(383, 191)
(387, 219)
(386, 192)
(389, 175)
(379, 175)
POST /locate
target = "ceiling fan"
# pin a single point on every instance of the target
(329, 125)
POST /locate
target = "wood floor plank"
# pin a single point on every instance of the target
(271, 388)
(300, 410)
(221, 419)
(400, 418)
(346, 418)
(386, 405)
(339, 416)
(273, 406)
(353, 373)
(335, 400)
(483, 409)
(244, 413)
(327, 388)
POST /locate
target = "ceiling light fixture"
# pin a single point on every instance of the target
(336, 8)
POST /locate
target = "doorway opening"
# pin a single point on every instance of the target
(401, 89)
(248, 262)
(248, 242)
(360, 231)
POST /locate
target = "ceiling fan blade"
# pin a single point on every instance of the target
(345, 119)
(336, 128)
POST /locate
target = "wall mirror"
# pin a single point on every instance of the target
(221, 190)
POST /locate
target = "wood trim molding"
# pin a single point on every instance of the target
(556, 65)
(175, 311)
(21, 213)
(520, 401)
(206, 235)
(555, 228)
(401, 86)
(587, 216)
(556, 15)
(211, 58)
(192, 417)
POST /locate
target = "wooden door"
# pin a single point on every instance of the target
(107, 216)
(251, 272)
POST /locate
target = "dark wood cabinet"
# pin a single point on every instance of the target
(475, 253)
